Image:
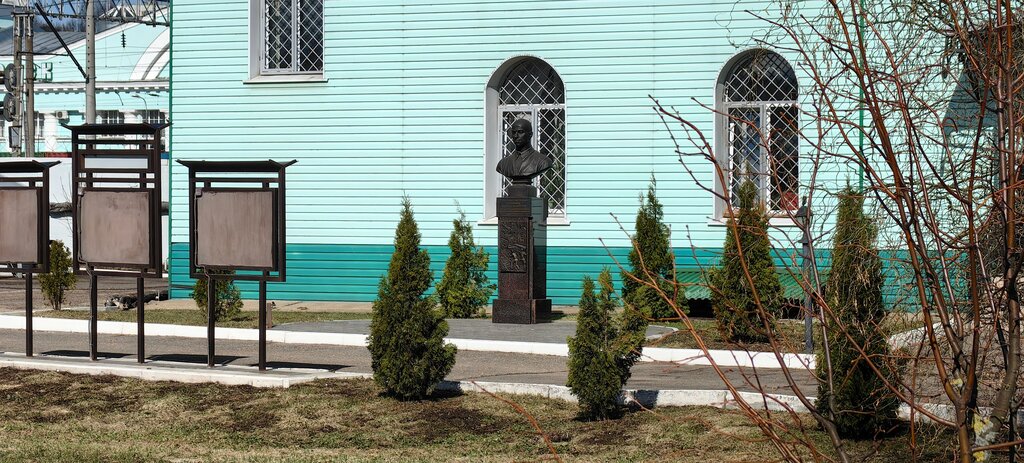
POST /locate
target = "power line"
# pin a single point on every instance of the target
(150, 12)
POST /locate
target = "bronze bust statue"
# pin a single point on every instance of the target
(525, 163)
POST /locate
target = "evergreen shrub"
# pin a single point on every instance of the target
(229, 298)
(733, 301)
(60, 278)
(464, 288)
(860, 404)
(604, 349)
(407, 348)
(651, 259)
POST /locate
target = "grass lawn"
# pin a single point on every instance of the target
(198, 318)
(49, 416)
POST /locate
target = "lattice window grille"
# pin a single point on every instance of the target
(763, 130)
(533, 91)
(293, 36)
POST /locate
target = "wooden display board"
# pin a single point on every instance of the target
(237, 230)
(25, 225)
(116, 211)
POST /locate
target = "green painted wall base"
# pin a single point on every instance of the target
(326, 272)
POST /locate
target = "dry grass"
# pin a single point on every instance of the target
(49, 416)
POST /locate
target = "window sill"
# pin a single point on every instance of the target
(774, 222)
(560, 221)
(286, 79)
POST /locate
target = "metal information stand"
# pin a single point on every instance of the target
(237, 231)
(115, 177)
(24, 226)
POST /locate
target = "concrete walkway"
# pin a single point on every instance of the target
(521, 339)
(184, 359)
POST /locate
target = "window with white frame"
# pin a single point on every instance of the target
(528, 88)
(288, 37)
(110, 117)
(153, 116)
(758, 130)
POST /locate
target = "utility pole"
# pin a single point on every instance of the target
(29, 115)
(90, 62)
(15, 128)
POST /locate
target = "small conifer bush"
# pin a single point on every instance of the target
(603, 350)
(464, 288)
(651, 260)
(229, 298)
(860, 404)
(407, 348)
(60, 278)
(740, 318)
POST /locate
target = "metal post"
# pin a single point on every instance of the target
(28, 314)
(263, 325)
(803, 215)
(211, 301)
(140, 305)
(29, 122)
(90, 62)
(93, 316)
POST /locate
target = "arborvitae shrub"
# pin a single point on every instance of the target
(407, 348)
(603, 350)
(651, 259)
(861, 406)
(464, 289)
(60, 279)
(229, 298)
(732, 295)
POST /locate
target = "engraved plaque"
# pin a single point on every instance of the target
(513, 244)
(235, 229)
(115, 228)
(19, 219)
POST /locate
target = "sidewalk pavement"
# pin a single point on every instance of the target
(184, 359)
(469, 335)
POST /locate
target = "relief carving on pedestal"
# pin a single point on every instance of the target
(513, 245)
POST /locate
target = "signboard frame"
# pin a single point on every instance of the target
(216, 177)
(130, 155)
(30, 176)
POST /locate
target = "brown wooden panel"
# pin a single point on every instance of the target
(114, 228)
(19, 217)
(235, 229)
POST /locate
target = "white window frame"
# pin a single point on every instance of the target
(494, 142)
(257, 37)
(104, 116)
(723, 143)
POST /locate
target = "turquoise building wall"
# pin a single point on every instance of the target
(401, 113)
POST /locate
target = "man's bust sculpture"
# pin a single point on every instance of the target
(524, 163)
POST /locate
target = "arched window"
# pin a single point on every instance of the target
(527, 88)
(758, 130)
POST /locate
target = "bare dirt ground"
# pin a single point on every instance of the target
(12, 292)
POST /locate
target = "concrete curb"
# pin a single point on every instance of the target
(724, 358)
(174, 371)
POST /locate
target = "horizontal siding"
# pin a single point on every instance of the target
(352, 272)
(401, 112)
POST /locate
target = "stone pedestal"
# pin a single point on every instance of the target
(522, 258)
